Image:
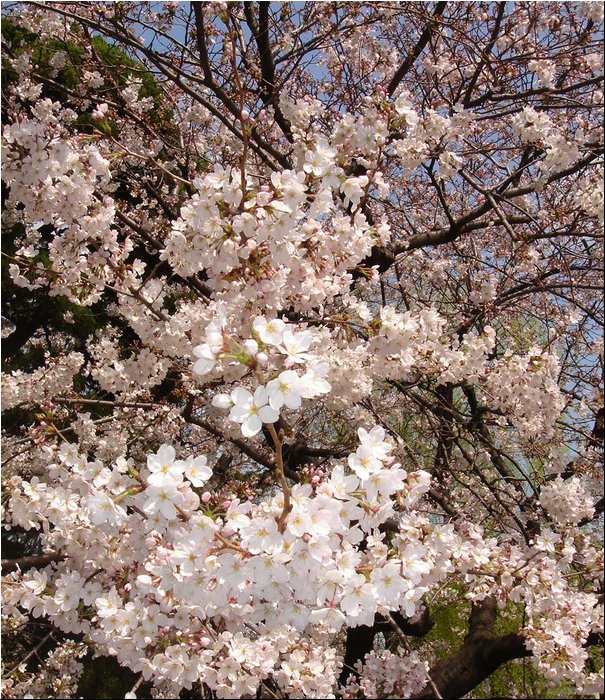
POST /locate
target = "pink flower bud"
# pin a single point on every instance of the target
(205, 642)
(206, 496)
(226, 504)
(245, 114)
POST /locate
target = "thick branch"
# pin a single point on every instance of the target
(481, 654)
(360, 640)
(445, 432)
(412, 57)
(24, 563)
(268, 92)
(478, 657)
(384, 258)
(220, 92)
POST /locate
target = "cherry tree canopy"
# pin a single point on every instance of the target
(303, 357)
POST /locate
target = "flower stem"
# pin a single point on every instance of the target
(279, 468)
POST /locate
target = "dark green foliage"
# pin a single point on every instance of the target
(20, 39)
(103, 677)
(34, 311)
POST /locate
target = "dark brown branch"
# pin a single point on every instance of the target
(417, 626)
(482, 620)
(445, 432)
(384, 258)
(441, 501)
(268, 92)
(485, 54)
(240, 444)
(220, 92)
(412, 57)
(24, 563)
(360, 640)
(201, 44)
(480, 655)
(490, 96)
(598, 429)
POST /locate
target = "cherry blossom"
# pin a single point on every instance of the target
(303, 348)
(252, 410)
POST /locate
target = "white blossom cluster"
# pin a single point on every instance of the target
(254, 591)
(276, 346)
(54, 377)
(567, 501)
(317, 269)
(523, 386)
(167, 569)
(526, 389)
(121, 376)
(287, 239)
(57, 178)
(388, 675)
(562, 150)
(53, 178)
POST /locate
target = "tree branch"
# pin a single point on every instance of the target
(268, 92)
(24, 563)
(480, 655)
(240, 444)
(412, 57)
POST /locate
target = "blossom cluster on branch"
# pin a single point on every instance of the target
(302, 346)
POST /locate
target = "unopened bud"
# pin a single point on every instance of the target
(251, 346)
(222, 401)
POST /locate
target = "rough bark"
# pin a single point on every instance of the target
(479, 656)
